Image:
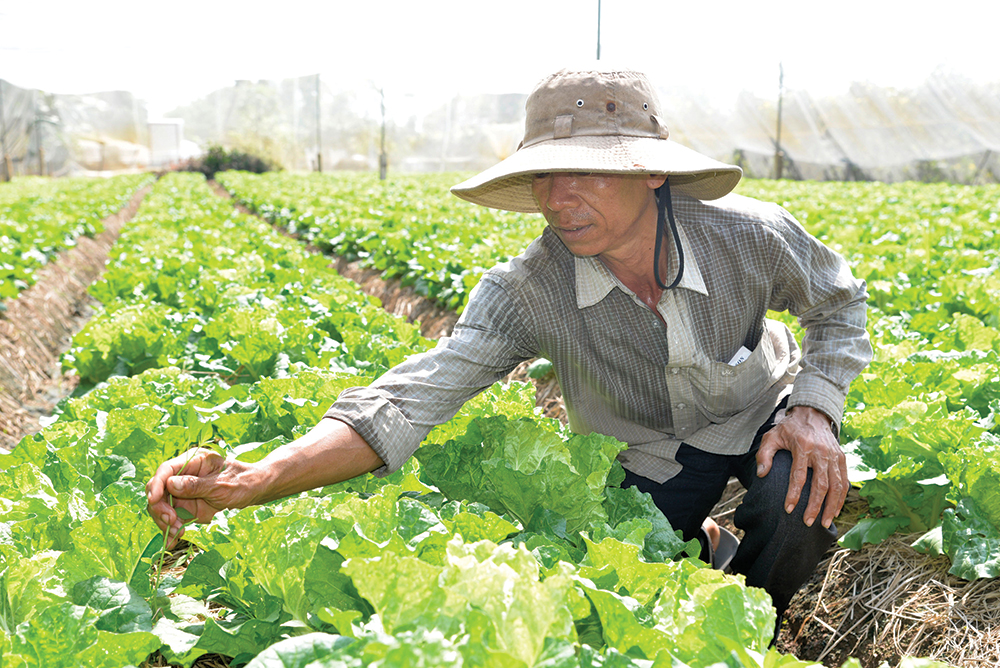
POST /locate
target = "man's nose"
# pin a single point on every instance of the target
(561, 191)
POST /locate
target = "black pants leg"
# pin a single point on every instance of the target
(778, 552)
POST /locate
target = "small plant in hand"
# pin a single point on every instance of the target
(185, 515)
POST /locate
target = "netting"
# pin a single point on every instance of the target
(947, 129)
(52, 134)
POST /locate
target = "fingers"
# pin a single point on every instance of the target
(813, 448)
(817, 494)
(769, 444)
(797, 481)
(167, 490)
(156, 498)
(839, 487)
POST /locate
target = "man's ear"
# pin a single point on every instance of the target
(656, 180)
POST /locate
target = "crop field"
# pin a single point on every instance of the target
(40, 217)
(507, 541)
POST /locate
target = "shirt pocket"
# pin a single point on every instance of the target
(723, 390)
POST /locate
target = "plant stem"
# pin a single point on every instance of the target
(163, 550)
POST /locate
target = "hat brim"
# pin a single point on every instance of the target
(507, 185)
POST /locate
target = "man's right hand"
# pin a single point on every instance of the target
(202, 483)
(330, 452)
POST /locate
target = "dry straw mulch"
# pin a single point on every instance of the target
(37, 327)
(887, 601)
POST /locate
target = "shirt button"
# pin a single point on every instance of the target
(681, 407)
(674, 371)
(728, 372)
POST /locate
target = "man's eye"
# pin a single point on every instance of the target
(542, 175)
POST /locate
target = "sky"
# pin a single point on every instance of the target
(423, 51)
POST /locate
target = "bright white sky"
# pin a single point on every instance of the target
(170, 53)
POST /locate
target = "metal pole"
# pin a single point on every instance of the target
(383, 159)
(598, 29)
(34, 123)
(5, 169)
(778, 162)
(319, 138)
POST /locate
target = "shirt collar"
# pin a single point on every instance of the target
(594, 281)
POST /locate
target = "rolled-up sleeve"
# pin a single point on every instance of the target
(815, 284)
(396, 412)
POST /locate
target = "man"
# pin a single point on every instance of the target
(690, 374)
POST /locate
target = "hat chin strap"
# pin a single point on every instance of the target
(665, 211)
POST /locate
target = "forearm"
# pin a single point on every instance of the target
(331, 452)
(835, 350)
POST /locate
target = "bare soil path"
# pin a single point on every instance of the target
(38, 325)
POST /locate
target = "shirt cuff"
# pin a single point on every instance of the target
(380, 423)
(819, 394)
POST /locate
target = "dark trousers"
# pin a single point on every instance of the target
(778, 551)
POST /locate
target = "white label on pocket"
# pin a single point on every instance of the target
(741, 355)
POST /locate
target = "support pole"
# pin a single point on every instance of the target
(383, 159)
(5, 170)
(982, 165)
(319, 137)
(778, 157)
(598, 29)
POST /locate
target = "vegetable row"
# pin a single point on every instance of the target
(409, 228)
(40, 217)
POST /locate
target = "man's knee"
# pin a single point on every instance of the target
(763, 508)
(771, 491)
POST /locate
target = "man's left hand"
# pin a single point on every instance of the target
(806, 433)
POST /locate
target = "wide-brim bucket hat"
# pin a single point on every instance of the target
(596, 120)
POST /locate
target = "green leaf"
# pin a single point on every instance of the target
(539, 369)
(67, 635)
(972, 541)
(931, 543)
(628, 512)
(184, 514)
(872, 530)
(622, 630)
(519, 466)
(401, 589)
(305, 651)
(642, 581)
(121, 609)
(28, 585)
(110, 545)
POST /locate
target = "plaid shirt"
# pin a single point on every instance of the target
(622, 372)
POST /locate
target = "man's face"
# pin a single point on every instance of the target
(599, 214)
